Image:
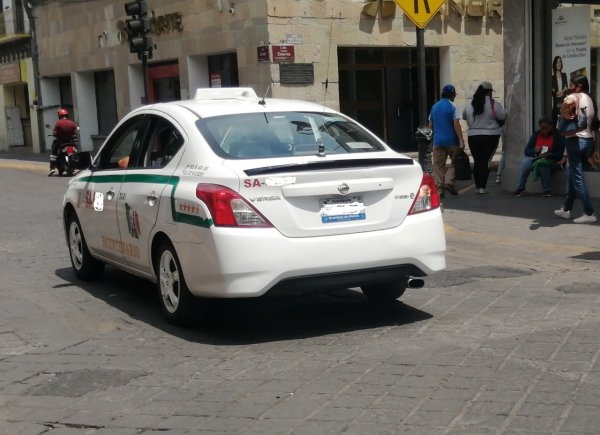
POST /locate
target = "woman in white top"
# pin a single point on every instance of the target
(578, 147)
(483, 116)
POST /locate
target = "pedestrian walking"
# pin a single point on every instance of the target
(447, 139)
(578, 147)
(485, 118)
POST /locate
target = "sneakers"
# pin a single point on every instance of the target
(52, 171)
(519, 192)
(547, 193)
(451, 189)
(565, 214)
(481, 191)
(583, 219)
(586, 219)
(499, 179)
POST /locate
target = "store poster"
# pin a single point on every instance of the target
(570, 49)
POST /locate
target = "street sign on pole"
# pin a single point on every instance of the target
(420, 11)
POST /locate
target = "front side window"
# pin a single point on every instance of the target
(123, 144)
(266, 135)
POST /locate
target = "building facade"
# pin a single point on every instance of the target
(357, 56)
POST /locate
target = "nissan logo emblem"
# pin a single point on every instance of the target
(343, 189)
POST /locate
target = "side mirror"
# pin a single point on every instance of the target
(81, 160)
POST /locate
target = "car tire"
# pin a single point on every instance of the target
(86, 267)
(385, 292)
(177, 303)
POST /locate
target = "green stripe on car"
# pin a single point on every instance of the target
(153, 179)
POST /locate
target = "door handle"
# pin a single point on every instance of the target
(398, 112)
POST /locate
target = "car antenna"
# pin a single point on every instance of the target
(262, 101)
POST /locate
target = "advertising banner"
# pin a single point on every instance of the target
(570, 49)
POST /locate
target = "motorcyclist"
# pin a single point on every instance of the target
(65, 131)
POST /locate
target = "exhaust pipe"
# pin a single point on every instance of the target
(415, 282)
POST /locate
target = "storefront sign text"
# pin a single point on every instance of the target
(464, 8)
(283, 53)
(167, 23)
(158, 25)
(10, 73)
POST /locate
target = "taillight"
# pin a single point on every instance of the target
(228, 208)
(427, 196)
(71, 149)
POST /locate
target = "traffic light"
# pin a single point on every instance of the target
(138, 27)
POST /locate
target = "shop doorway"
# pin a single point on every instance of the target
(379, 88)
(223, 70)
(163, 82)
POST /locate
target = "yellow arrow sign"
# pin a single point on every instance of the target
(420, 11)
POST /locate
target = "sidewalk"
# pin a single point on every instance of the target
(24, 153)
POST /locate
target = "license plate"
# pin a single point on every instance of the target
(349, 208)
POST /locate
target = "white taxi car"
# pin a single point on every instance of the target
(230, 195)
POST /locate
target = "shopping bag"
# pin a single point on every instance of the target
(462, 166)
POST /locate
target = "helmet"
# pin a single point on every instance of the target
(63, 113)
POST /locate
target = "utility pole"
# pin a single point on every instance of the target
(37, 103)
(422, 141)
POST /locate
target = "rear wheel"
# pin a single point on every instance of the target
(384, 292)
(85, 266)
(177, 303)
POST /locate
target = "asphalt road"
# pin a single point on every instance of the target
(504, 341)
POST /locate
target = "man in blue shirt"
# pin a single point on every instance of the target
(447, 139)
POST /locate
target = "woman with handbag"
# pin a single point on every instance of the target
(578, 147)
(485, 118)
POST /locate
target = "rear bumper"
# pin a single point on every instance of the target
(237, 262)
(337, 280)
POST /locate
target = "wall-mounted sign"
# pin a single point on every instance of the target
(294, 38)
(10, 73)
(262, 53)
(283, 53)
(296, 73)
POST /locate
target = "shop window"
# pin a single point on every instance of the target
(223, 70)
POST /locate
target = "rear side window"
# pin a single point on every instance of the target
(266, 135)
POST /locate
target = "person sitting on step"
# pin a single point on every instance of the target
(543, 154)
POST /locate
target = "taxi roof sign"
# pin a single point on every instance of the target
(420, 11)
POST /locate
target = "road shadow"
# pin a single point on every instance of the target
(501, 202)
(252, 320)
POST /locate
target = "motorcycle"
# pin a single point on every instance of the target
(62, 158)
(65, 151)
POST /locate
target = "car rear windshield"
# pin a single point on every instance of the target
(266, 135)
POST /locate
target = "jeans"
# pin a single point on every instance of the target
(545, 173)
(578, 149)
(482, 149)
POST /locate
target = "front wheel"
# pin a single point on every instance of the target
(385, 292)
(86, 267)
(178, 305)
